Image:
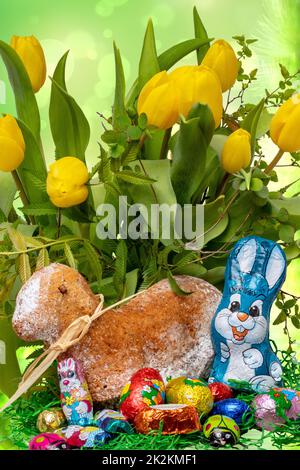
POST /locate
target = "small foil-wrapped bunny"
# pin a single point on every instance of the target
(76, 400)
(255, 271)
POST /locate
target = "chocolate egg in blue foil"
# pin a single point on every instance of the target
(235, 409)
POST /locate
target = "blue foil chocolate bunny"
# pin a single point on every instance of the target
(255, 271)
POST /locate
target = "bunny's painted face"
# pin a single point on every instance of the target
(254, 275)
(67, 374)
(241, 321)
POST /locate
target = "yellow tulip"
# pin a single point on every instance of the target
(159, 101)
(30, 51)
(12, 145)
(236, 153)
(198, 84)
(222, 59)
(66, 182)
(285, 125)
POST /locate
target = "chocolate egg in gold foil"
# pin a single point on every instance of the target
(190, 391)
(50, 420)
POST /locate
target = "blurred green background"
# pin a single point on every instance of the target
(89, 27)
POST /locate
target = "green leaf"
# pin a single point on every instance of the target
(173, 55)
(256, 184)
(148, 65)
(215, 219)
(38, 182)
(189, 156)
(33, 164)
(24, 268)
(192, 269)
(77, 214)
(284, 71)
(280, 318)
(120, 265)
(131, 282)
(167, 59)
(142, 121)
(134, 178)
(291, 205)
(175, 286)
(200, 33)
(296, 322)
(42, 259)
(69, 256)
(7, 192)
(69, 126)
(160, 192)
(286, 233)
(292, 252)
(38, 209)
(94, 261)
(26, 104)
(9, 368)
(120, 117)
(214, 275)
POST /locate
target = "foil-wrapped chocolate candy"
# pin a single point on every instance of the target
(238, 410)
(146, 388)
(275, 408)
(84, 436)
(112, 421)
(168, 418)
(76, 400)
(220, 391)
(48, 441)
(190, 391)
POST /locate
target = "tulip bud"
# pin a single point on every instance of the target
(30, 51)
(285, 125)
(66, 182)
(222, 59)
(12, 145)
(159, 101)
(236, 153)
(198, 84)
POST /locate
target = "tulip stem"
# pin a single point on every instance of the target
(274, 161)
(22, 193)
(58, 221)
(165, 144)
(223, 184)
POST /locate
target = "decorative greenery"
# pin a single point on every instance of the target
(133, 162)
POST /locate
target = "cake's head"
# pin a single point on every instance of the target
(49, 301)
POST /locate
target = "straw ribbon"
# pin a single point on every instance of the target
(72, 335)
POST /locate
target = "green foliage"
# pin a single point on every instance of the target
(26, 104)
(69, 126)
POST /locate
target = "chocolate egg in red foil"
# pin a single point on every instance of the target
(141, 392)
(220, 391)
(147, 373)
(168, 419)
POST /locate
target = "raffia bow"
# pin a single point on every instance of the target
(72, 335)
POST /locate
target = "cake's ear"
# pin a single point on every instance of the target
(242, 259)
(276, 267)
